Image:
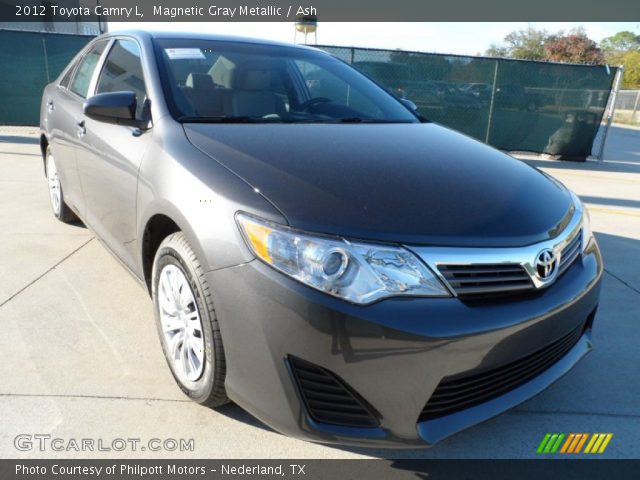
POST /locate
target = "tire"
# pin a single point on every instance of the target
(182, 307)
(56, 194)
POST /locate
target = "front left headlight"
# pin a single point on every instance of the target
(357, 272)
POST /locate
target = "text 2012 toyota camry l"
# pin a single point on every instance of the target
(315, 250)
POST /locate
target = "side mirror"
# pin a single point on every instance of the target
(409, 104)
(113, 107)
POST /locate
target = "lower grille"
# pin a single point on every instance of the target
(328, 399)
(459, 392)
(486, 278)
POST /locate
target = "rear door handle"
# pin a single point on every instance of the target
(82, 130)
(50, 106)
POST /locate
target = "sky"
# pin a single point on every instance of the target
(465, 38)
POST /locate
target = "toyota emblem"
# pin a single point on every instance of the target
(546, 264)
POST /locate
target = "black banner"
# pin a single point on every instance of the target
(319, 469)
(322, 10)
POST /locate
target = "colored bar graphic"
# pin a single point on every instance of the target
(556, 445)
(581, 442)
(550, 443)
(596, 445)
(606, 442)
(543, 443)
(567, 443)
(573, 443)
(591, 442)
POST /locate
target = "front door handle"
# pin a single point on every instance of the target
(82, 129)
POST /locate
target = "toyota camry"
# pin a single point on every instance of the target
(316, 251)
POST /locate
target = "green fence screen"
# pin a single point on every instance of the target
(514, 105)
(28, 62)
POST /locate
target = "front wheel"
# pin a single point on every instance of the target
(187, 323)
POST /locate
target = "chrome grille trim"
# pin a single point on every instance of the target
(471, 271)
(485, 278)
(570, 252)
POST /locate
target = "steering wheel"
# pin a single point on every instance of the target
(305, 106)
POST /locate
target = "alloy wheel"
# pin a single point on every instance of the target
(55, 193)
(181, 324)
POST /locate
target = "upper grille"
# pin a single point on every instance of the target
(486, 278)
(329, 399)
(570, 252)
(459, 392)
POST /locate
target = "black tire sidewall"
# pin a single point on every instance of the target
(201, 389)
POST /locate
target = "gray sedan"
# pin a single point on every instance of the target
(316, 251)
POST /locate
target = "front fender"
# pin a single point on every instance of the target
(199, 195)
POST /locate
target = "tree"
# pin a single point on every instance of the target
(631, 62)
(624, 48)
(575, 48)
(620, 43)
(527, 43)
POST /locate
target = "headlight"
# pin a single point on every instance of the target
(358, 272)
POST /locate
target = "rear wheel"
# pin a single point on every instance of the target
(56, 196)
(187, 323)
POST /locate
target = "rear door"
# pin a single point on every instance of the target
(110, 157)
(63, 117)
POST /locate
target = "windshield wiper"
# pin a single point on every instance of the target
(362, 120)
(222, 119)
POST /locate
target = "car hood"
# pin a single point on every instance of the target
(408, 183)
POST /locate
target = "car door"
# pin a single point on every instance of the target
(63, 119)
(110, 157)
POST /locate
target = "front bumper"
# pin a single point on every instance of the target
(393, 353)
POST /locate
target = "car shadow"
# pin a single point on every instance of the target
(22, 139)
(614, 202)
(235, 412)
(621, 154)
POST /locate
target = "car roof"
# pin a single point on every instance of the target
(204, 36)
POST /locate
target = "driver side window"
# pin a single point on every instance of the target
(122, 72)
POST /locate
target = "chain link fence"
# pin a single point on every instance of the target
(514, 105)
(29, 61)
(628, 107)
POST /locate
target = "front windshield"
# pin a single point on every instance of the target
(224, 81)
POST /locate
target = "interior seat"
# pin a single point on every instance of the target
(252, 96)
(207, 99)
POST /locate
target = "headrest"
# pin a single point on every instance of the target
(199, 81)
(256, 80)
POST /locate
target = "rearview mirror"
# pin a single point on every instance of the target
(409, 104)
(112, 107)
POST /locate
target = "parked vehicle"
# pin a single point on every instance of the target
(507, 96)
(316, 252)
